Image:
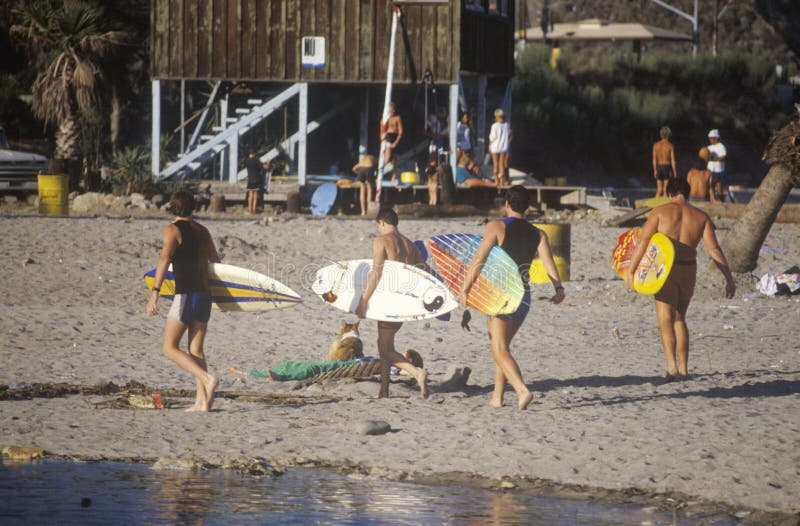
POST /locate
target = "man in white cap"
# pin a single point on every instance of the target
(716, 165)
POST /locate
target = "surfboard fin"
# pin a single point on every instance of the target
(465, 319)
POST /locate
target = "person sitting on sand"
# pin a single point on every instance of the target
(522, 241)
(686, 226)
(390, 245)
(188, 246)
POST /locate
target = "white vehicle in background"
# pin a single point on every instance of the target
(18, 170)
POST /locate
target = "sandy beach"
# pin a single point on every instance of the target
(72, 310)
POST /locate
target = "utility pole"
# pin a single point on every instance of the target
(691, 18)
(545, 21)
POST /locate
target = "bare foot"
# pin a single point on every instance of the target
(423, 384)
(210, 386)
(524, 401)
(194, 409)
(496, 402)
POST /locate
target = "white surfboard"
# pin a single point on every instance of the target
(404, 292)
(236, 289)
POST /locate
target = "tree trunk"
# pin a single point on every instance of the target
(67, 138)
(715, 29)
(743, 243)
(116, 111)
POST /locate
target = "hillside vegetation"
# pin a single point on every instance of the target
(595, 117)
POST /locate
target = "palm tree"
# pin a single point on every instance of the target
(742, 244)
(69, 41)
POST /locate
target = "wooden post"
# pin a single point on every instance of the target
(480, 136)
(223, 119)
(363, 140)
(156, 128)
(302, 128)
(233, 158)
(453, 123)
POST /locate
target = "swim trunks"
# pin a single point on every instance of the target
(191, 306)
(693, 199)
(519, 315)
(391, 137)
(365, 174)
(663, 171)
(717, 177)
(680, 283)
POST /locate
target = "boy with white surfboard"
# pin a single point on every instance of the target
(390, 245)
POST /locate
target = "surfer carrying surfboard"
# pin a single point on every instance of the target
(188, 246)
(686, 226)
(522, 241)
(391, 245)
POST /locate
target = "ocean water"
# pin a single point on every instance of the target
(51, 492)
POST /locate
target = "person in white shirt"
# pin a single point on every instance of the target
(716, 165)
(499, 143)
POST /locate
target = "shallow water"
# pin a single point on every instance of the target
(116, 493)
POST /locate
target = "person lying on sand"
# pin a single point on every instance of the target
(290, 370)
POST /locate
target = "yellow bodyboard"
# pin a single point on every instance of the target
(656, 263)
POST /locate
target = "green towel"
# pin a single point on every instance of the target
(301, 370)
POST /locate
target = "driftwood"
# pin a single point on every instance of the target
(129, 395)
(358, 370)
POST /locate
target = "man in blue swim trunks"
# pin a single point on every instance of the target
(188, 246)
(523, 242)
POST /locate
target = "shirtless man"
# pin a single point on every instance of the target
(699, 179)
(523, 242)
(663, 161)
(365, 174)
(392, 136)
(189, 247)
(686, 226)
(392, 246)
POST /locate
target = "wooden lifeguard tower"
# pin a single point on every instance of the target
(302, 47)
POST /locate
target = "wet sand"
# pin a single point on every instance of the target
(73, 311)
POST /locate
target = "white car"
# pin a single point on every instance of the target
(18, 170)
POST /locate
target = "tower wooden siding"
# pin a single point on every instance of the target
(260, 40)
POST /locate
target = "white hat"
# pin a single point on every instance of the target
(714, 133)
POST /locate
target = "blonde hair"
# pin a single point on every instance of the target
(499, 113)
(665, 132)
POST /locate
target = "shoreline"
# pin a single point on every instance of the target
(72, 311)
(683, 505)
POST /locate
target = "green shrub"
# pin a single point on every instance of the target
(130, 172)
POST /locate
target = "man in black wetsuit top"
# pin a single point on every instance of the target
(522, 241)
(188, 246)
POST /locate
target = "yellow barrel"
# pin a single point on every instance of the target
(559, 235)
(409, 178)
(53, 195)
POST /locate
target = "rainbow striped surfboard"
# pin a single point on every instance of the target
(498, 289)
(236, 289)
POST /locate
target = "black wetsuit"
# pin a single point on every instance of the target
(191, 274)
